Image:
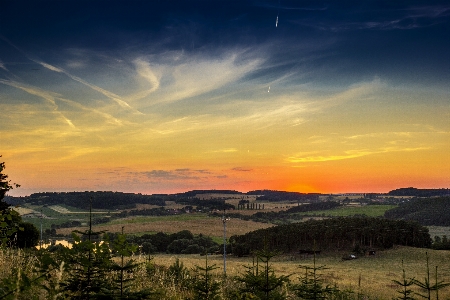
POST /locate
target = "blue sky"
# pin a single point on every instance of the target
(165, 96)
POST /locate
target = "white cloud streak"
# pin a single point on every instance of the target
(190, 77)
(2, 66)
(106, 93)
(50, 97)
(351, 154)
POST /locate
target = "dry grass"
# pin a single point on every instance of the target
(207, 226)
(15, 264)
(376, 272)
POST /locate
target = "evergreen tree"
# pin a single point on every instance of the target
(123, 288)
(405, 292)
(205, 287)
(88, 264)
(262, 282)
(311, 285)
(179, 273)
(426, 284)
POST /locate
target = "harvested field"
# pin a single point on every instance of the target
(205, 225)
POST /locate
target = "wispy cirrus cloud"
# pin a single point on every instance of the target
(49, 97)
(108, 94)
(349, 154)
(192, 76)
(225, 150)
(2, 66)
(52, 98)
(152, 81)
(178, 174)
(396, 18)
(241, 169)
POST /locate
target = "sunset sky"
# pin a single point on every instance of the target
(169, 96)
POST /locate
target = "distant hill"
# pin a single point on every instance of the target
(428, 211)
(275, 196)
(194, 193)
(100, 200)
(414, 192)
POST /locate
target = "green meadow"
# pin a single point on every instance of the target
(368, 210)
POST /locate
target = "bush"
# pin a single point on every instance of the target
(193, 249)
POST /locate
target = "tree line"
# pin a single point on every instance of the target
(182, 242)
(276, 196)
(102, 200)
(428, 211)
(414, 192)
(342, 233)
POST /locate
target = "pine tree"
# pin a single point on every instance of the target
(205, 287)
(311, 285)
(426, 283)
(88, 264)
(405, 292)
(123, 288)
(262, 282)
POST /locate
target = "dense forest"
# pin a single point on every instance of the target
(428, 211)
(343, 233)
(276, 196)
(194, 193)
(414, 192)
(206, 205)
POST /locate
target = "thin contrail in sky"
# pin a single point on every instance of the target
(278, 13)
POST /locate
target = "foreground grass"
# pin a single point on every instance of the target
(369, 276)
(374, 273)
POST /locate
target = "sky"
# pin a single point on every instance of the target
(169, 96)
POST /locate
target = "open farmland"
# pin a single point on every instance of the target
(198, 223)
(368, 210)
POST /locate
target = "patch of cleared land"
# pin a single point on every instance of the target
(439, 231)
(208, 226)
(368, 210)
(25, 211)
(63, 210)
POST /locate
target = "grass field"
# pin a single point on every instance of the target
(375, 272)
(368, 210)
(439, 231)
(53, 217)
(195, 223)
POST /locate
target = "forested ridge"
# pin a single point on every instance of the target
(276, 196)
(100, 200)
(414, 192)
(428, 211)
(342, 233)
